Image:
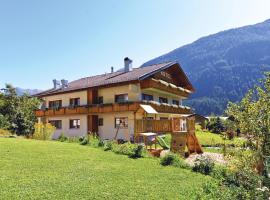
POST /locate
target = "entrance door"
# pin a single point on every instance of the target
(92, 123)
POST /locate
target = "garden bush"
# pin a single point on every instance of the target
(95, 141)
(204, 165)
(108, 145)
(138, 151)
(172, 159)
(62, 138)
(5, 133)
(84, 141)
(131, 150)
(43, 131)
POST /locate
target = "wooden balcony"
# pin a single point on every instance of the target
(155, 84)
(108, 108)
(161, 126)
(92, 109)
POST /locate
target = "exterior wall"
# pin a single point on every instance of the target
(108, 130)
(133, 91)
(65, 126)
(156, 94)
(65, 98)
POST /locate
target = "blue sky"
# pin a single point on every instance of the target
(43, 40)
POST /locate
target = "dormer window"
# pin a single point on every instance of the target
(73, 102)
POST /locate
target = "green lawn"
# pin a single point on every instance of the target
(210, 139)
(32, 169)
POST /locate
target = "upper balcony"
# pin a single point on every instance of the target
(164, 86)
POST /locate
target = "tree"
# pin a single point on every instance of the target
(17, 111)
(252, 116)
(215, 125)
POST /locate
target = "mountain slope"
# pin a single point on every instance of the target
(21, 91)
(223, 66)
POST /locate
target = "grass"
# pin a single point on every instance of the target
(207, 138)
(32, 169)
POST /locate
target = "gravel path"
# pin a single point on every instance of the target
(216, 157)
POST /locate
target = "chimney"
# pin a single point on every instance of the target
(56, 84)
(112, 69)
(64, 83)
(128, 64)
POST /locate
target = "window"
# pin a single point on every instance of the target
(163, 100)
(121, 122)
(74, 123)
(100, 100)
(175, 102)
(183, 125)
(74, 102)
(100, 121)
(55, 104)
(56, 123)
(147, 97)
(121, 98)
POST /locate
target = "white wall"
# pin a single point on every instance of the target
(65, 126)
(108, 130)
(133, 91)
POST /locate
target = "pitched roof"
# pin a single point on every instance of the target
(109, 78)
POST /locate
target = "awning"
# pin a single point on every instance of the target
(149, 109)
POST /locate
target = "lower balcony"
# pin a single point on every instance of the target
(116, 107)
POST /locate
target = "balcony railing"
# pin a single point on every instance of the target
(107, 108)
(163, 86)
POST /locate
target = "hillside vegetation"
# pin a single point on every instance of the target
(223, 66)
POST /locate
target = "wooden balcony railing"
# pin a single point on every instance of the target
(162, 126)
(102, 108)
(107, 108)
(155, 84)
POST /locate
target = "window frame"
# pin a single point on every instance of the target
(147, 95)
(52, 122)
(51, 104)
(100, 100)
(125, 99)
(78, 126)
(125, 124)
(101, 121)
(74, 99)
(161, 99)
(175, 102)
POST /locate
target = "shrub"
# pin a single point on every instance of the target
(43, 131)
(204, 165)
(131, 150)
(84, 141)
(95, 141)
(5, 133)
(138, 151)
(219, 172)
(62, 137)
(124, 149)
(108, 145)
(172, 159)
